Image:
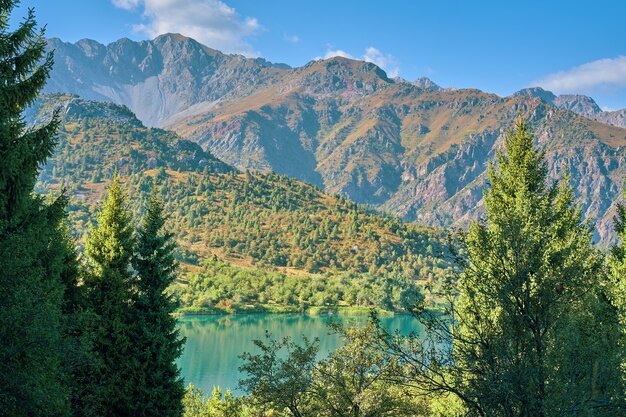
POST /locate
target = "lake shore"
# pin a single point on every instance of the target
(273, 309)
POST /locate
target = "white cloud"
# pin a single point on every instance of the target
(292, 38)
(373, 55)
(337, 52)
(211, 22)
(385, 61)
(126, 4)
(603, 74)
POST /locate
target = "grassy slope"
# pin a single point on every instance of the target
(257, 222)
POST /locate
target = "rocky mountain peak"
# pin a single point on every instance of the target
(339, 73)
(92, 49)
(426, 84)
(583, 105)
(538, 92)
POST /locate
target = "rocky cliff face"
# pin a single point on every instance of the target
(411, 149)
(579, 104)
(157, 79)
(421, 155)
(426, 84)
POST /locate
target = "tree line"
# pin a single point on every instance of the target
(221, 284)
(91, 336)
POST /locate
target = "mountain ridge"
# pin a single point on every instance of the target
(416, 151)
(579, 104)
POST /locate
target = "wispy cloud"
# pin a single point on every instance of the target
(126, 4)
(292, 38)
(603, 74)
(385, 61)
(373, 55)
(337, 52)
(211, 22)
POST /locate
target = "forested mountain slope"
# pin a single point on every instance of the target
(253, 220)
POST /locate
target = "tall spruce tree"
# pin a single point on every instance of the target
(617, 271)
(109, 286)
(531, 333)
(534, 328)
(159, 387)
(78, 324)
(31, 291)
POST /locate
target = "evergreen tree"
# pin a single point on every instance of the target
(617, 270)
(31, 290)
(78, 324)
(109, 285)
(159, 387)
(533, 329)
(531, 332)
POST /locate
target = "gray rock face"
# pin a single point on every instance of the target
(538, 92)
(615, 118)
(411, 149)
(157, 79)
(583, 105)
(426, 84)
(579, 104)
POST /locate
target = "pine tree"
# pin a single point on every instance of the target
(159, 387)
(31, 291)
(617, 273)
(534, 331)
(531, 333)
(78, 324)
(109, 285)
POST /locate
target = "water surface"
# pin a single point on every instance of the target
(214, 343)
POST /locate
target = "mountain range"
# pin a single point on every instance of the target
(256, 222)
(411, 149)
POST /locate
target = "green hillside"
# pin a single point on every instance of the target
(275, 231)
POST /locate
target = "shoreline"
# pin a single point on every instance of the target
(312, 311)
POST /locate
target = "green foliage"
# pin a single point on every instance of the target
(78, 324)
(617, 274)
(158, 388)
(32, 333)
(221, 284)
(281, 380)
(531, 333)
(195, 404)
(356, 380)
(109, 285)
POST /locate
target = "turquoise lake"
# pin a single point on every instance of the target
(214, 343)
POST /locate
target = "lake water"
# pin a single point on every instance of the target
(214, 343)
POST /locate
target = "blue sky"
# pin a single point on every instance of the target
(497, 46)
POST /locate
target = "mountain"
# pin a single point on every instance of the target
(255, 221)
(421, 155)
(97, 138)
(409, 149)
(156, 79)
(579, 104)
(426, 84)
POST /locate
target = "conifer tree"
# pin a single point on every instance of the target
(159, 387)
(109, 285)
(31, 291)
(534, 330)
(617, 271)
(78, 324)
(531, 333)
